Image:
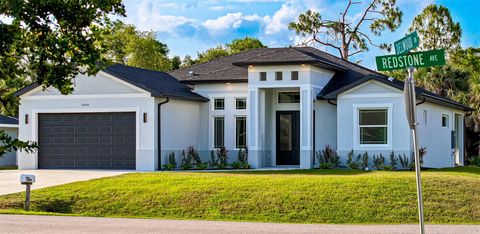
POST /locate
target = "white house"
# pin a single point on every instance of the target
(283, 103)
(10, 126)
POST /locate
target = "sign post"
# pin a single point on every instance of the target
(27, 180)
(403, 59)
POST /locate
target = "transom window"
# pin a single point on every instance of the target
(288, 97)
(278, 75)
(263, 76)
(218, 131)
(218, 104)
(294, 75)
(240, 132)
(241, 103)
(373, 125)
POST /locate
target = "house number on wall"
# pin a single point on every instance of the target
(85, 104)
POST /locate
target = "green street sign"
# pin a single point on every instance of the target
(409, 42)
(416, 59)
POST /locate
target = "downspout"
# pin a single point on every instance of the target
(159, 138)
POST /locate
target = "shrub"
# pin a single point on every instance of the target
(222, 155)
(393, 161)
(243, 155)
(388, 168)
(404, 161)
(202, 166)
(172, 163)
(378, 162)
(351, 163)
(213, 162)
(245, 165)
(236, 165)
(186, 163)
(421, 153)
(474, 161)
(194, 156)
(365, 162)
(328, 158)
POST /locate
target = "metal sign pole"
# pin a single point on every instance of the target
(413, 127)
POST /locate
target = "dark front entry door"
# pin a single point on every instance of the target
(288, 137)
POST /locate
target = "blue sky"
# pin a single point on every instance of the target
(188, 26)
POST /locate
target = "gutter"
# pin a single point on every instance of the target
(159, 138)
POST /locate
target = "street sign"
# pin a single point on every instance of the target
(415, 59)
(407, 43)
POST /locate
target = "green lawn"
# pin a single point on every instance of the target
(300, 196)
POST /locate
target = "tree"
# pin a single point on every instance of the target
(247, 43)
(236, 46)
(176, 62)
(436, 29)
(126, 45)
(344, 35)
(212, 53)
(50, 42)
(187, 61)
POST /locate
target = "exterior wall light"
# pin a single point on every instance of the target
(145, 117)
(303, 65)
(26, 119)
(228, 83)
(250, 65)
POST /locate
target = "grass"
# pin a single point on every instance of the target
(8, 167)
(297, 196)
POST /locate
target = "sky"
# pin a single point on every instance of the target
(189, 26)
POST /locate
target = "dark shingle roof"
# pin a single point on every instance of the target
(159, 84)
(233, 68)
(8, 120)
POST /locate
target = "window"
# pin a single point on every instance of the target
(241, 132)
(263, 76)
(241, 103)
(218, 104)
(373, 126)
(278, 75)
(218, 131)
(445, 121)
(288, 97)
(294, 75)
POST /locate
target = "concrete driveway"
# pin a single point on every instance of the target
(10, 179)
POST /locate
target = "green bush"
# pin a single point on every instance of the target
(222, 155)
(404, 161)
(393, 161)
(213, 162)
(186, 163)
(378, 162)
(202, 166)
(474, 161)
(242, 155)
(365, 161)
(172, 163)
(351, 163)
(328, 158)
(236, 165)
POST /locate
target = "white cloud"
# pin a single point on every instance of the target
(279, 21)
(228, 21)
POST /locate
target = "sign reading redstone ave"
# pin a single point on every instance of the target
(416, 59)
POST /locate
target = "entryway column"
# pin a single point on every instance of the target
(306, 127)
(253, 128)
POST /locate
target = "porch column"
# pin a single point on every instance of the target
(253, 128)
(306, 127)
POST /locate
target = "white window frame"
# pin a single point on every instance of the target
(235, 103)
(356, 126)
(287, 91)
(213, 104)
(213, 130)
(235, 131)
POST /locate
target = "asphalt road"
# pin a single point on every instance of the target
(73, 225)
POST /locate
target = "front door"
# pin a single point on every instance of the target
(288, 137)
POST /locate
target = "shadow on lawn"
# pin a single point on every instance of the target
(467, 170)
(299, 172)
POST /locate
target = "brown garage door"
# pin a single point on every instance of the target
(86, 141)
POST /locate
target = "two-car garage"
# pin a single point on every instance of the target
(86, 140)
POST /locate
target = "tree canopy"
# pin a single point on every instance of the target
(236, 46)
(129, 46)
(50, 42)
(347, 36)
(436, 29)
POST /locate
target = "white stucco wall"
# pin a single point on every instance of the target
(325, 125)
(10, 158)
(434, 137)
(372, 94)
(180, 127)
(109, 100)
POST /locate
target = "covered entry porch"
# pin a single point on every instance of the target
(280, 129)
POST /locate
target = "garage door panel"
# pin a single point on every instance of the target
(87, 140)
